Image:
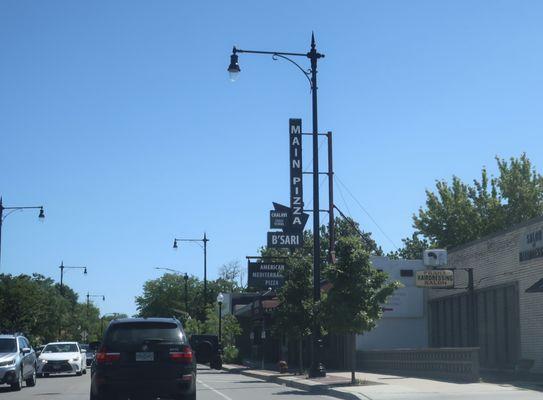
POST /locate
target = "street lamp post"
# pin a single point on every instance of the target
(185, 278)
(88, 304)
(204, 240)
(62, 268)
(317, 368)
(41, 216)
(220, 299)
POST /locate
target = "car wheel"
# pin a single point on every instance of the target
(78, 373)
(46, 375)
(19, 384)
(85, 371)
(32, 380)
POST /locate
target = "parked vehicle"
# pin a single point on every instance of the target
(17, 361)
(207, 350)
(62, 358)
(148, 357)
(90, 352)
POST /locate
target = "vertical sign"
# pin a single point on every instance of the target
(296, 187)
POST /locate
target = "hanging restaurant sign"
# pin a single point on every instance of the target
(263, 275)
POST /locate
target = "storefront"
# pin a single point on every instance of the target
(503, 312)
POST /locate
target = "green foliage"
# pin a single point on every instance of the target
(353, 303)
(412, 249)
(231, 354)
(34, 305)
(165, 296)
(457, 213)
(230, 326)
(293, 316)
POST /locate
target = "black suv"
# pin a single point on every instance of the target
(144, 358)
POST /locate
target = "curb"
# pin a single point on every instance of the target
(287, 380)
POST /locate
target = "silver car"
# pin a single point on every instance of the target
(17, 361)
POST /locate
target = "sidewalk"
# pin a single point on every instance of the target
(380, 386)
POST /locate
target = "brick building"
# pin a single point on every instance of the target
(498, 315)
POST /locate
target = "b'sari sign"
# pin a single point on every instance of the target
(436, 278)
(282, 240)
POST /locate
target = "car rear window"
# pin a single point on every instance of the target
(127, 336)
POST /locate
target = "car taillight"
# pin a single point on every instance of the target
(103, 356)
(184, 356)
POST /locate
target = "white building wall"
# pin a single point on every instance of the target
(404, 323)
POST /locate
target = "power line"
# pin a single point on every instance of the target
(366, 212)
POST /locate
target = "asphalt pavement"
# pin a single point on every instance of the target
(212, 385)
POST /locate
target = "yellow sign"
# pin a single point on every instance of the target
(436, 278)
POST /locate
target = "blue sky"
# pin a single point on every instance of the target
(118, 117)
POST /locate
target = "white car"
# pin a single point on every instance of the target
(62, 358)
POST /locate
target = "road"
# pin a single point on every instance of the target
(212, 385)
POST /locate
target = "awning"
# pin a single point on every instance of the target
(536, 287)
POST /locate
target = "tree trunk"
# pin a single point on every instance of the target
(353, 358)
(301, 355)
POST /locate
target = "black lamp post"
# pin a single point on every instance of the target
(88, 306)
(41, 217)
(317, 368)
(220, 299)
(204, 240)
(62, 268)
(185, 278)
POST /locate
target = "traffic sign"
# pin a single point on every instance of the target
(435, 278)
(280, 240)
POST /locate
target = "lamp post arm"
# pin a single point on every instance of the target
(236, 50)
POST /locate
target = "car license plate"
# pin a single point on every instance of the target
(145, 356)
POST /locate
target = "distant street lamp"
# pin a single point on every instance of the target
(41, 217)
(220, 299)
(186, 279)
(204, 247)
(88, 300)
(62, 268)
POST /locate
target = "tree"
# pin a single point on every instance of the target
(35, 306)
(165, 297)
(353, 303)
(294, 315)
(459, 213)
(232, 272)
(522, 188)
(412, 249)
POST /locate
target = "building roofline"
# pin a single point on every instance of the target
(496, 234)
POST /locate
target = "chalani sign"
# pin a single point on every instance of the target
(436, 278)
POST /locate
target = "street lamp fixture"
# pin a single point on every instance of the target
(233, 68)
(317, 368)
(41, 216)
(220, 299)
